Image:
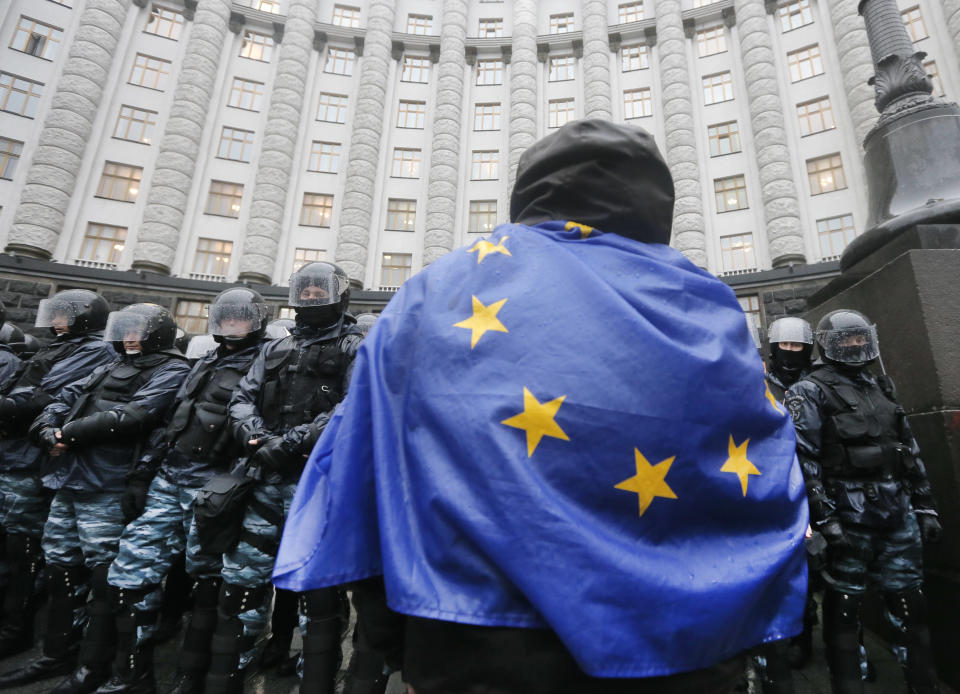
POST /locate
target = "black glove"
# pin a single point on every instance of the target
(837, 540)
(8, 409)
(271, 455)
(930, 528)
(47, 438)
(134, 499)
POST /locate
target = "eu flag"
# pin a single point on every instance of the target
(558, 427)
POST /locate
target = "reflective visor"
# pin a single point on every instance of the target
(316, 289)
(235, 319)
(126, 325)
(57, 313)
(850, 345)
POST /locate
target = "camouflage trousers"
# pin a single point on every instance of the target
(250, 563)
(890, 559)
(152, 542)
(24, 504)
(83, 528)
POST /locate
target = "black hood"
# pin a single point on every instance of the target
(608, 176)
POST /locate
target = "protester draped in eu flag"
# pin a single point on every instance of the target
(559, 453)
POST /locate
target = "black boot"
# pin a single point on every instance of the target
(800, 649)
(841, 622)
(229, 641)
(133, 664)
(194, 660)
(282, 623)
(322, 654)
(99, 640)
(176, 601)
(66, 586)
(909, 615)
(367, 673)
(25, 559)
(778, 678)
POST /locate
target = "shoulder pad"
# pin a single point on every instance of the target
(277, 351)
(350, 343)
(887, 386)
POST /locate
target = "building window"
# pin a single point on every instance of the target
(934, 74)
(317, 210)
(339, 62)
(561, 23)
(332, 108)
(235, 144)
(36, 38)
(395, 269)
(559, 112)
(794, 15)
(344, 16)
(485, 165)
(805, 63)
(730, 193)
(419, 23)
(302, 256)
(19, 95)
(630, 12)
(246, 94)
(724, 138)
(486, 116)
(637, 103)
(562, 68)
(104, 243)
(703, 3)
(119, 182)
(717, 88)
(483, 216)
(489, 72)
(411, 114)
(913, 20)
(191, 316)
(634, 58)
(815, 116)
(834, 234)
(164, 22)
(224, 199)
(751, 308)
(324, 156)
(491, 27)
(212, 257)
(711, 41)
(9, 156)
(736, 252)
(256, 46)
(415, 70)
(406, 163)
(401, 214)
(150, 72)
(271, 6)
(135, 124)
(825, 174)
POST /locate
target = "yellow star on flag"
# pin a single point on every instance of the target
(584, 229)
(773, 401)
(537, 420)
(485, 248)
(484, 318)
(738, 464)
(650, 481)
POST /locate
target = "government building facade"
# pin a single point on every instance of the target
(202, 142)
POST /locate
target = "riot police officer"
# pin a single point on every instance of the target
(278, 412)
(195, 444)
(77, 318)
(10, 335)
(92, 431)
(791, 348)
(869, 497)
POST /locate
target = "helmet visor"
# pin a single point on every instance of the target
(57, 313)
(317, 289)
(126, 326)
(235, 319)
(855, 345)
(791, 330)
(200, 345)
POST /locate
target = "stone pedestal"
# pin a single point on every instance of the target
(909, 287)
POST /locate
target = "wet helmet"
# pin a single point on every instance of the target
(791, 329)
(238, 316)
(150, 324)
(365, 321)
(11, 335)
(79, 310)
(319, 293)
(847, 337)
(280, 327)
(199, 345)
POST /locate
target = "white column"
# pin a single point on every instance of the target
(523, 82)
(856, 65)
(596, 61)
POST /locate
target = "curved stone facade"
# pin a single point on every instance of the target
(951, 8)
(523, 83)
(596, 61)
(856, 65)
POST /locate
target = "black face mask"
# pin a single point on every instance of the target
(791, 362)
(318, 316)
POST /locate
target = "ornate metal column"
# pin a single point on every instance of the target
(445, 149)
(159, 234)
(681, 144)
(523, 82)
(596, 60)
(856, 66)
(53, 172)
(781, 209)
(280, 137)
(353, 236)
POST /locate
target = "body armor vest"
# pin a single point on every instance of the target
(198, 428)
(301, 382)
(35, 369)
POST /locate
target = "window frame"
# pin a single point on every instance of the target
(316, 210)
(630, 12)
(256, 97)
(340, 106)
(795, 63)
(829, 233)
(157, 15)
(148, 124)
(747, 249)
(401, 217)
(786, 14)
(645, 101)
(725, 84)
(716, 137)
(209, 257)
(29, 107)
(110, 180)
(333, 156)
(721, 189)
(161, 77)
(266, 46)
(52, 38)
(9, 159)
(218, 198)
(476, 214)
(398, 164)
(495, 115)
(804, 118)
(819, 171)
(556, 69)
(404, 114)
(643, 57)
(113, 253)
(487, 67)
(553, 114)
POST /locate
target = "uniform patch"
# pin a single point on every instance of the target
(794, 403)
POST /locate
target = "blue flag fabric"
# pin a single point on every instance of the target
(562, 428)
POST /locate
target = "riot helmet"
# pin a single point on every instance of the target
(149, 324)
(76, 311)
(199, 345)
(280, 327)
(848, 338)
(790, 330)
(11, 336)
(319, 293)
(365, 321)
(28, 347)
(238, 317)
